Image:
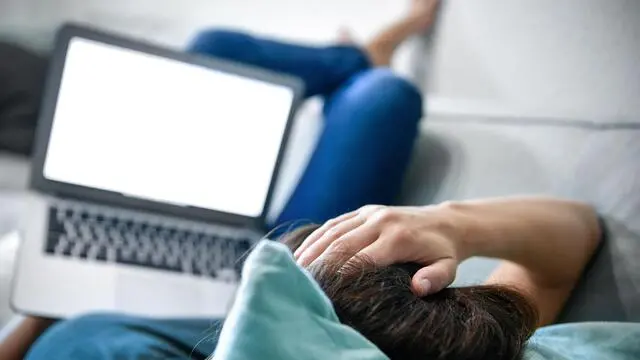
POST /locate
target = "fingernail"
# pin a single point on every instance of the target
(425, 286)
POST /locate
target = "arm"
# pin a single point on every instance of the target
(545, 243)
(16, 345)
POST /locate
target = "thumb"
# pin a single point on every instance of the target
(435, 277)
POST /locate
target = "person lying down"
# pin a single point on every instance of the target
(476, 322)
(387, 272)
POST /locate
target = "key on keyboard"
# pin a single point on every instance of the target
(99, 237)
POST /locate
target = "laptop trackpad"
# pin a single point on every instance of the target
(151, 294)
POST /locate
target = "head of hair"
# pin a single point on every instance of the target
(464, 323)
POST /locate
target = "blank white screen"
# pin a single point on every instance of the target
(159, 129)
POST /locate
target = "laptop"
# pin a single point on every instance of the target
(152, 174)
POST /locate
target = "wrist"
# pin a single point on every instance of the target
(462, 228)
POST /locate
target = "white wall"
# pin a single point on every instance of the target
(549, 58)
(558, 58)
(172, 21)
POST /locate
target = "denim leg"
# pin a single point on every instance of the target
(322, 69)
(371, 123)
(121, 337)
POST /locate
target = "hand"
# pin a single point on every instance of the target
(20, 339)
(430, 236)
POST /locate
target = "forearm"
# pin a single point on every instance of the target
(552, 238)
(16, 345)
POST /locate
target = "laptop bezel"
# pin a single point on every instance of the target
(48, 107)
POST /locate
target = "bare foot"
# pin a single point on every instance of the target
(419, 19)
(423, 13)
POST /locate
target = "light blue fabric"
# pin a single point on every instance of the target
(586, 341)
(281, 313)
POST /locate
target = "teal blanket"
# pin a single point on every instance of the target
(280, 313)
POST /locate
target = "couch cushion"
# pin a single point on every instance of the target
(22, 75)
(608, 176)
(14, 172)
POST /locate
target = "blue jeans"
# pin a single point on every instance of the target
(370, 124)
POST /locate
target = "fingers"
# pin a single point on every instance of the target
(349, 244)
(321, 232)
(332, 235)
(435, 277)
(381, 252)
(316, 235)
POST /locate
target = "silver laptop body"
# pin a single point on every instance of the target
(152, 174)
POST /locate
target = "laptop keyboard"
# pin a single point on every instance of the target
(104, 237)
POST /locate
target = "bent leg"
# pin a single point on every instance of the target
(322, 69)
(370, 128)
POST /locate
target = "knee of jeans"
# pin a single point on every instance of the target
(221, 43)
(383, 92)
(73, 338)
(395, 88)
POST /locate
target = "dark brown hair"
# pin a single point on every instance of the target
(477, 322)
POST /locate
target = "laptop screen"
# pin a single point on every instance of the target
(159, 129)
